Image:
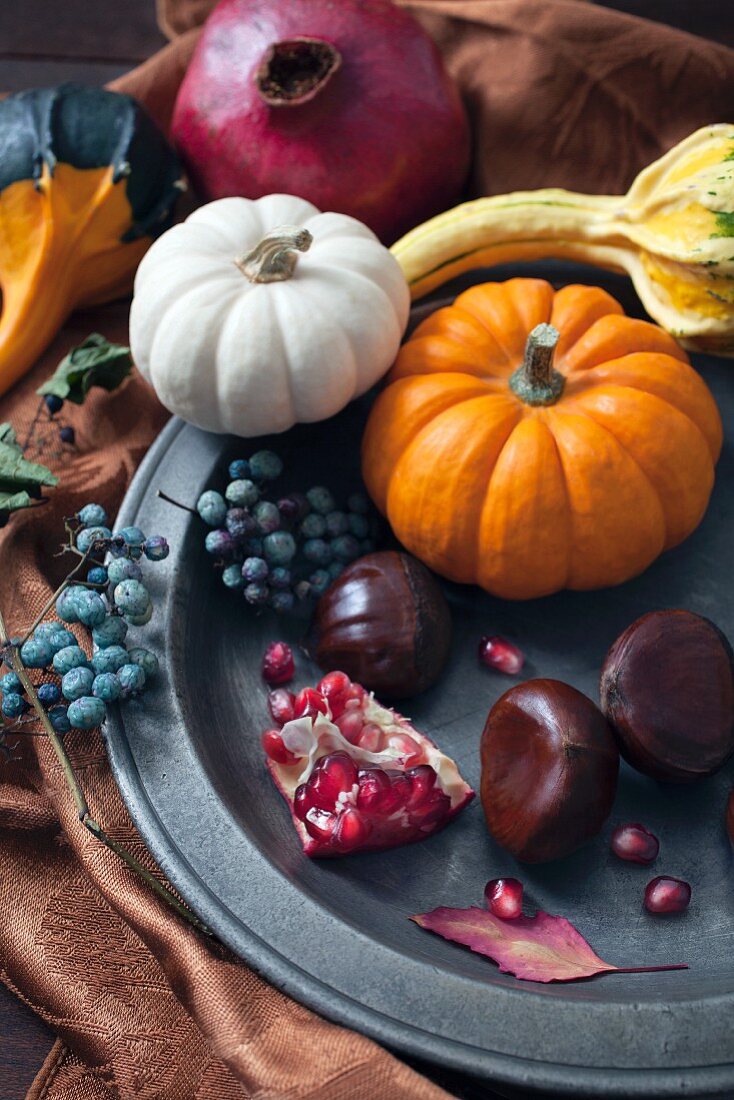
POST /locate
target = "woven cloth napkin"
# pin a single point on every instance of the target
(559, 92)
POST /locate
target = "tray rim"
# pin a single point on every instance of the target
(397, 1035)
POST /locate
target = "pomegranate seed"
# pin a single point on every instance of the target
(308, 703)
(355, 694)
(635, 843)
(278, 666)
(340, 768)
(350, 725)
(301, 802)
(334, 687)
(332, 775)
(402, 788)
(422, 780)
(496, 652)
(274, 746)
(409, 750)
(320, 824)
(280, 705)
(667, 895)
(504, 898)
(371, 737)
(373, 785)
(351, 830)
(432, 809)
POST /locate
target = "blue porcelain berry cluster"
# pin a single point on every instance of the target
(77, 685)
(279, 551)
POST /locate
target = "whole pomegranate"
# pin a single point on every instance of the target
(343, 102)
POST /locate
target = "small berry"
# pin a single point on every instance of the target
(10, 684)
(13, 705)
(156, 548)
(146, 660)
(635, 843)
(60, 638)
(358, 502)
(48, 694)
(497, 653)
(317, 551)
(109, 659)
(91, 608)
(242, 493)
(265, 466)
(86, 713)
(239, 468)
(143, 618)
(134, 540)
(294, 507)
(111, 632)
(122, 569)
(36, 653)
(345, 548)
(45, 630)
(59, 719)
(335, 569)
(68, 658)
(220, 543)
(212, 508)
(54, 403)
(278, 666)
(255, 570)
(321, 500)
(282, 602)
(274, 746)
(319, 581)
(337, 523)
(77, 682)
(232, 576)
(358, 525)
(240, 523)
(132, 680)
(667, 895)
(257, 594)
(301, 590)
(132, 597)
(106, 687)
(92, 515)
(97, 575)
(280, 578)
(88, 536)
(504, 898)
(313, 526)
(267, 515)
(67, 435)
(279, 548)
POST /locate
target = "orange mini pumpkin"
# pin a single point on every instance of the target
(497, 466)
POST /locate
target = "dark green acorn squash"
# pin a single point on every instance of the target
(86, 182)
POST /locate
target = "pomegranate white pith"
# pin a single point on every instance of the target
(363, 778)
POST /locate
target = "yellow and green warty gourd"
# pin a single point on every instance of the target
(672, 233)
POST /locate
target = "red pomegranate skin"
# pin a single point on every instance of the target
(383, 138)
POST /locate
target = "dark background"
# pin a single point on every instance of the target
(47, 41)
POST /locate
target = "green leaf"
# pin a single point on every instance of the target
(19, 479)
(95, 362)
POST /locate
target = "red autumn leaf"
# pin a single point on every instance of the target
(542, 948)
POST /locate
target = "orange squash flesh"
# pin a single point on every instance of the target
(527, 499)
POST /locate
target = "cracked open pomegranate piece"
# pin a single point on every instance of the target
(357, 776)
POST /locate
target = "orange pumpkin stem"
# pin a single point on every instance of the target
(536, 382)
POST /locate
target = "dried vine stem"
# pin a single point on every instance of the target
(80, 801)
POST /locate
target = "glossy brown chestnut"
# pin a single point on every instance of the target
(385, 622)
(667, 687)
(549, 770)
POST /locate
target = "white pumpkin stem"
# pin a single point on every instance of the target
(536, 382)
(274, 259)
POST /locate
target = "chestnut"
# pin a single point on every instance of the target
(549, 770)
(667, 688)
(386, 623)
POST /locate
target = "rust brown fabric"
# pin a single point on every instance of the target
(559, 92)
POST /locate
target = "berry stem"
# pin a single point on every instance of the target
(80, 801)
(177, 503)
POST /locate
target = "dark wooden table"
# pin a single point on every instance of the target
(44, 42)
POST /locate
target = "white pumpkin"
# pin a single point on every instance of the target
(251, 316)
